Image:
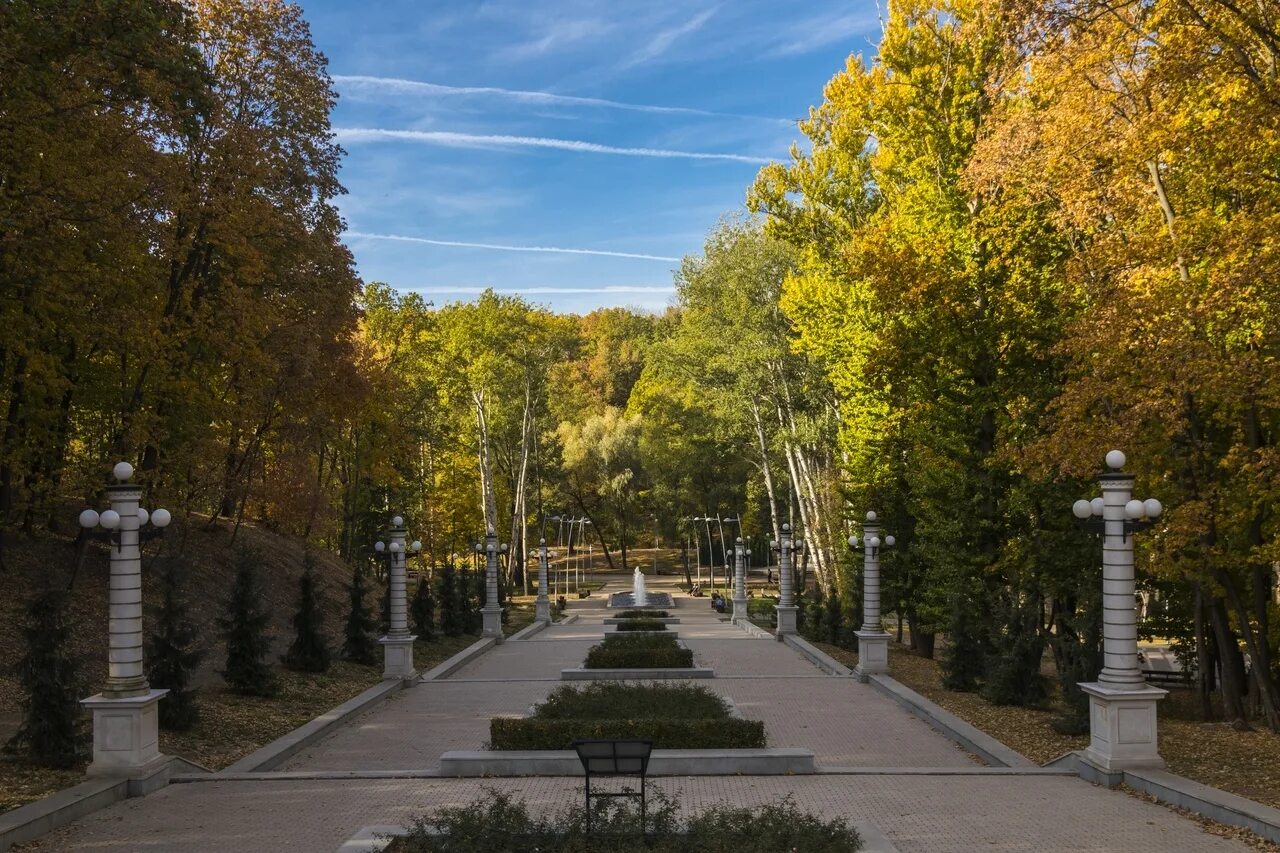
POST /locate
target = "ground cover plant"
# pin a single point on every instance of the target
(674, 716)
(642, 625)
(633, 650)
(498, 823)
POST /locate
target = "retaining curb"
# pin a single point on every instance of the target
(284, 747)
(816, 656)
(974, 740)
(33, 820)
(775, 761)
(527, 631)
(453, 664)
(580, 673)
(753, 629)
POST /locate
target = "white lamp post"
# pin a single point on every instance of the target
(397, 645)
(126, 738)
(740, 553)
(786, 609)
(491, 613)
(873, 641)
(1122, 706)
(542, 605)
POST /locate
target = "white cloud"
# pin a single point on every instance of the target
(581, 291)
(664, 39)
(415, 87)
(819, 32)
(362, 235)
(472, 140)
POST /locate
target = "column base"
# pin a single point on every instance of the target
(786, 621)
(873, 654)
(1122, 727)
(492, 620)
(542, 609)
(126, 735)
(739, 610)
(397, 658)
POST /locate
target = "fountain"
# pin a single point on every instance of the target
(637, 596)
(639, 599)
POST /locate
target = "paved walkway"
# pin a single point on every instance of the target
(877, 760)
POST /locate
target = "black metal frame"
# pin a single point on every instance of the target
(606, 760)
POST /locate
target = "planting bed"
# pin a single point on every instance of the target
(647, 650)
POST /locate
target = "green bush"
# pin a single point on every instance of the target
(644, 614)
(641, 625)
(499, 824)
(531, 733)
(628, 651)
(621, 700)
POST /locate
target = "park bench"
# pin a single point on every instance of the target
(602, 757)
(1158, 677)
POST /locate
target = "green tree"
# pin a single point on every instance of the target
(360, 644)
(244, 629)
(50, 708)
(453, 618)
(423, 610)
(172, 653)
(309, 651)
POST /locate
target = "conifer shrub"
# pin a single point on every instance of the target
(244, 628)
(172, 655)
(49, 732)
(453, 622)
(964, 664)
(359, 643)
(423, 611)
(310, 649)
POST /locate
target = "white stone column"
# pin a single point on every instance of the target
(491, 613)
(542, 604)
(397, 645)
(873, 641)
(739, 581)
(1122, 706)
(786, 597)
(126, 740)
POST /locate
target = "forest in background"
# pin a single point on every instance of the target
(1023, 232)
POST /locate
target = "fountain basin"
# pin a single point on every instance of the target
(652, 601)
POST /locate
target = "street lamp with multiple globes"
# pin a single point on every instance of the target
(873, 641)
(491, 612)
(542, 604)
(1122, 706)
(786, 547)
(397, 645)
(125, 718)
(740, 552)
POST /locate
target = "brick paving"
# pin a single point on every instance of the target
(846, 724)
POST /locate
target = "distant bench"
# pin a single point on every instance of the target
(1180, 678)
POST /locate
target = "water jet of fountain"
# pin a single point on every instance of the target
(638, 597)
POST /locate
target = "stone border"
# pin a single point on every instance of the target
(753, 629)
(374, 839)
(527, 631)
(967, 736)
(1212, 803)
(461, 659)
(816, 656)
(282, 748)
(769, 761)
(618, 620)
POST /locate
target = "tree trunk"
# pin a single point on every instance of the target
(1230, 662)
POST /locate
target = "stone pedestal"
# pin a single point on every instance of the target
(542, 609)
(397, 657)
(739, 609)
(1122, 727)
(873, 654)
(492, 617)
(126, 735)
(786, 621)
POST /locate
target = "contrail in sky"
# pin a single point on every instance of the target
(417, 87)
(471, 140)
(506, 248)
(570, 290)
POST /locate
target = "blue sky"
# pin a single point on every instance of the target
(600, 126)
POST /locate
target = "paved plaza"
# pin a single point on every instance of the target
(879, 766)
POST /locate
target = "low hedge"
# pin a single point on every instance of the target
(632, 650)
(641, 625)
(622, 700)
(643, 614)
(534, 733)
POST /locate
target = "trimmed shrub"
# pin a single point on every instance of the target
(641, 625)
(497, 824)
(631, 651)
(644, 614)
(532, 733)
(620, 700)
